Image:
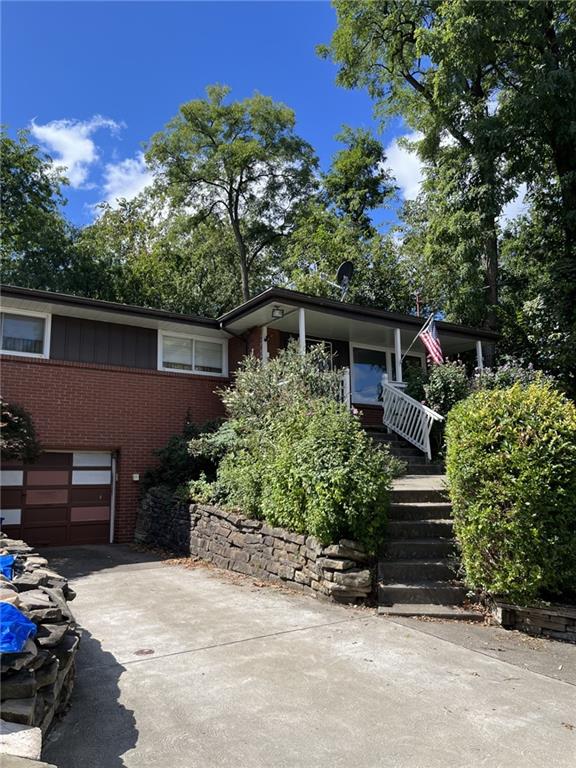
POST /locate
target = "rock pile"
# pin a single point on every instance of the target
(37, 683)
(342, 572)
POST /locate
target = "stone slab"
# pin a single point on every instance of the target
(19, 740)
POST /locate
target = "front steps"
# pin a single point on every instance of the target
(417, 463)
(416, 573)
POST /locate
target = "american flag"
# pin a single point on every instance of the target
(431, 341)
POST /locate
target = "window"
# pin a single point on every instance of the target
(409, 362)
(368, 366)
(25, 333)
(191, 355)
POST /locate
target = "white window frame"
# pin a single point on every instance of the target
(192, 337)
(47, 317)
(389, 352)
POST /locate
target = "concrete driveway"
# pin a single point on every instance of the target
(193, 668)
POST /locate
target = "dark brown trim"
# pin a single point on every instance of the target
(353, 311)
(105, 306)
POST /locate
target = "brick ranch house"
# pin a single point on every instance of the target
(106, 384)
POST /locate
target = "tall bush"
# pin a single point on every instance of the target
(511, 466)
(17, 434)
(447, 384)
(299, 458)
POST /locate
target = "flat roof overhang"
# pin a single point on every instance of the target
(327, 318)
(15, 297)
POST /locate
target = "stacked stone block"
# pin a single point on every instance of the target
(342, 572)
(37, 683)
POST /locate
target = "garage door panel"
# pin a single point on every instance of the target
(45, 515)
(47, 535)
(91, 477)
(11, 497)
(89, 533)
(89, 514)
(11, 477)
(47, 496)
(48, 477)
(53, 459)
(80, 495)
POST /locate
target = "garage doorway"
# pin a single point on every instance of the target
(66, 497)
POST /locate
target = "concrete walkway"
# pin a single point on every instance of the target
(193, 668)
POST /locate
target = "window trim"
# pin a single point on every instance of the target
(389, 351)
(192, 337)
(47, 317)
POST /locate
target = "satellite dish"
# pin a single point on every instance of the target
(344, 275)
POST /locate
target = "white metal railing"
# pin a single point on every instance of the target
(407, 417)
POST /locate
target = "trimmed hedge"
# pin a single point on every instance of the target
(511, 466)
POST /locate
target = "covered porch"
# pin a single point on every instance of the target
(374, 344)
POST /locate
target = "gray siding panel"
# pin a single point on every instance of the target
(90, 341)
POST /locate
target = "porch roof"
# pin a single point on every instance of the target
(328, 318)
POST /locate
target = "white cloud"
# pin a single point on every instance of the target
(70, 143)
(406, 166)
(515, 207)
(126, 179)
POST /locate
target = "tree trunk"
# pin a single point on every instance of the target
(242, 255)
(491, 256)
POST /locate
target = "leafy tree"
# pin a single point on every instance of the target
(357, 181)
(490, 86)
(237, 163)
(407, 55)
(36, 240)
(322, 240)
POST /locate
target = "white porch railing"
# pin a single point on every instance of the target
(407, 417)
(345, 395)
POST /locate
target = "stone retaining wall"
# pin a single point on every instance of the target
(342, 572)
(557, 621)
(36, 683)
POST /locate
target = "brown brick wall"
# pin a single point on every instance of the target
(86, 406)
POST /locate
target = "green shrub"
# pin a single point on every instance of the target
(312, 469)
(263, 389)
(325, 476)
(176, 466)
(447, 384)
(294, 456)
(510, 372)
(18, 436)
(416, 378)
(511, 465)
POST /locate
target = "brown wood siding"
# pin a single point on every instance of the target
(92, 341)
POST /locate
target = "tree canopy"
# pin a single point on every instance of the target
(240, 163)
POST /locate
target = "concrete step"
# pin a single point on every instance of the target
(425, 592)
(401, 495)
(420, 529)
(450, 612)
(417, 549)
(421, 511)
(424, 469)
(414, 571)
(418, 458)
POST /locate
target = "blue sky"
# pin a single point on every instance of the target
(94, 80)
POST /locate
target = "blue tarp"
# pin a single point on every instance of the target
(7, 565)
(15, 629)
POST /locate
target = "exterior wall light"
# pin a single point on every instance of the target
(277, 313)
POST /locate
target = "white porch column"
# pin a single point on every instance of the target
(264, 344)
(479, 356)
(398, 354)
(302, 331)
